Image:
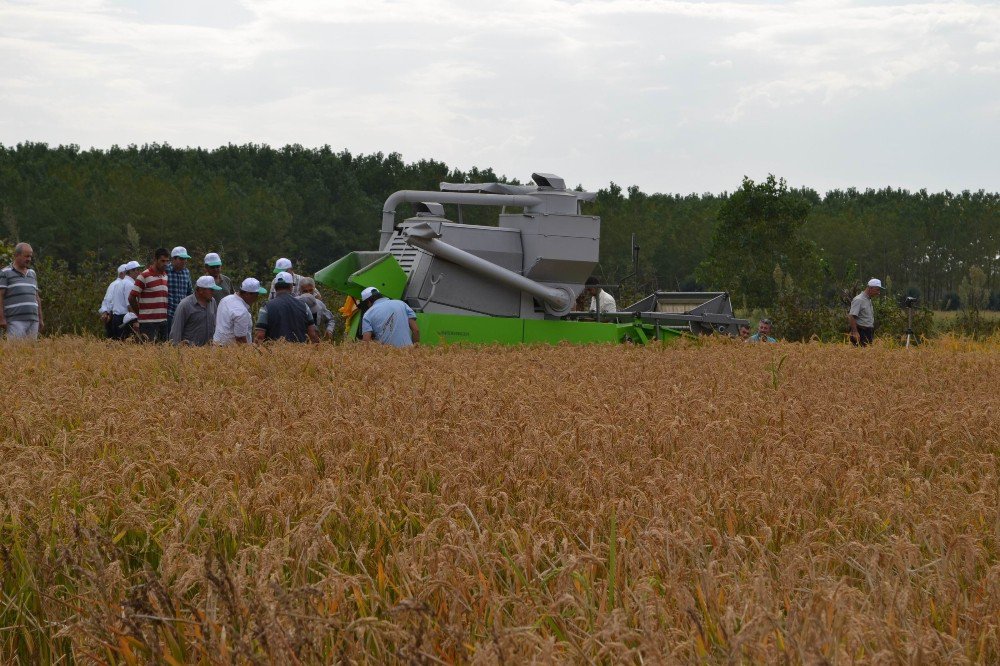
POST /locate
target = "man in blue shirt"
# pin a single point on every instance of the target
(178, 281)
(388, 321)
(763, 333)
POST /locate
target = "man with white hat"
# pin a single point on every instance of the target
(233, 321)
(284, 265)
(861, 316)
(285, 317)
(194, 318)
(119, 299)
(388, 321)
(106, 304)
(178, 281)
(213, 267)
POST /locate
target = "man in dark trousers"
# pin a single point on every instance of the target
(285, 317)
(861, 316)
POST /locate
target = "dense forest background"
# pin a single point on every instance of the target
(254, 203)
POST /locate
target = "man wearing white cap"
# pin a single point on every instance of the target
(194, 318)
(388, 321)
(213, 267)
(119, 299)
(285, 317)
(178, 281)
(106, 304)
(284, 265)
(233, 321)
(861, 316)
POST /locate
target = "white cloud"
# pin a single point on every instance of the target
(666, 94)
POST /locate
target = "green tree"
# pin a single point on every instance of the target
(759, 229)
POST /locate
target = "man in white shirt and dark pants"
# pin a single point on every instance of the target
(119, 299)
(105, 310)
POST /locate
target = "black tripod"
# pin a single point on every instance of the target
(909, 326)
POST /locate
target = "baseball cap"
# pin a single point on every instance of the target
(179, 251)
(132, 265)
(284, 278)
(875, 282)
(213, 259)
(282, 265)
(252, 286)
(368, 292)
(208, 282)
(129, 318)
(122, 269)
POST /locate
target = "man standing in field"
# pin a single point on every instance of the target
(321, 314)
(194, 318)
(861, 316)
(233, 321)
(105, 311)
(148, 299)
(178, 281)
(284, 265)
(119, 299)
(20, 301)
(388, 321)
(213, 267)
(285, 317)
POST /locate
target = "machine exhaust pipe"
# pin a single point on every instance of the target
(557, 300)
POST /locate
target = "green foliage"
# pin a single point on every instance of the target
(86, 211)
(760, 228)
(974, 296)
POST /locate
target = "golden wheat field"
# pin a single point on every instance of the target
(701, 503)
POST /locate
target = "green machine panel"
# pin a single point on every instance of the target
(436, 329)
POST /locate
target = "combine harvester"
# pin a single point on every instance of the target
(513, 283)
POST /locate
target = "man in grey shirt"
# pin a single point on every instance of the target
(861, 316)
(194, 318)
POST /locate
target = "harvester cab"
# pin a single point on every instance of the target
(512, 283)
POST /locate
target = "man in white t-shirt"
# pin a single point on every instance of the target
(233, 321)
(599, 297)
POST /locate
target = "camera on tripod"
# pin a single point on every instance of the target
(910, 302)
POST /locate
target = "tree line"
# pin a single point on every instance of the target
(253, 203)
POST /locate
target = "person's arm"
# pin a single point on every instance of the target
(107, 303)
(133, 297)
(177, 327)
(414, 330)
(313, 335)
(366, 337)
(38, 299)
(3, 290)
(852, 320)
(260, 331)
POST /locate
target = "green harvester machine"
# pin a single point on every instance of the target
(513, 283)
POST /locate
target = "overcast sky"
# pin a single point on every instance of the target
(671, 96)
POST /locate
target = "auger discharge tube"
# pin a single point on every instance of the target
(557, 300)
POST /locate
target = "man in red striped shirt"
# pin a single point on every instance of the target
(149, 299)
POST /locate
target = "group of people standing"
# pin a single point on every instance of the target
(163, 303)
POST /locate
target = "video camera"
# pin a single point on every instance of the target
(910, 302)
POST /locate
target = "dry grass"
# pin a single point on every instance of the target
(712, 503)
